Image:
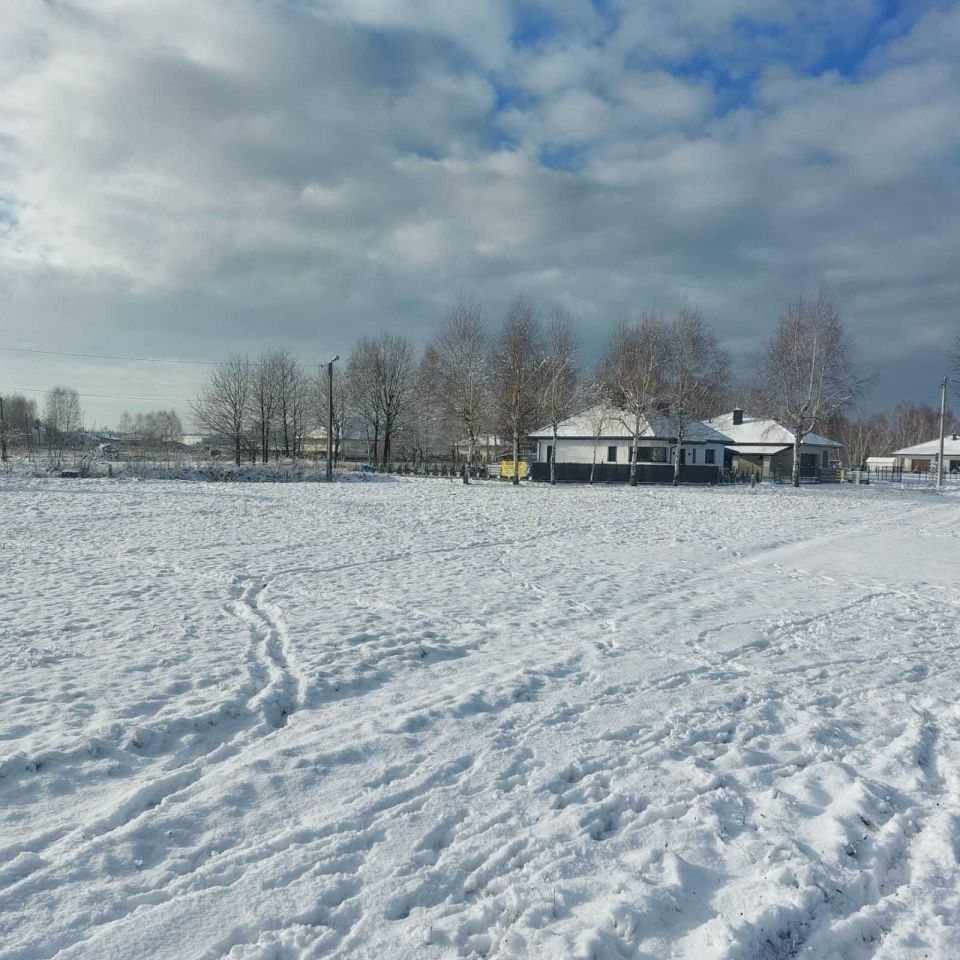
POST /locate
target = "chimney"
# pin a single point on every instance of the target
(737, 416)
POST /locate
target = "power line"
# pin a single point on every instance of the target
(96, 396)
(107, 356)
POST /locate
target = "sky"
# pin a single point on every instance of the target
(194, 178)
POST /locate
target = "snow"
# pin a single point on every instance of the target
(421, 719)
(758, 430)
(951, 448)
(618, 424)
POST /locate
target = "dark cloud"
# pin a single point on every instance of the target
(199, 177)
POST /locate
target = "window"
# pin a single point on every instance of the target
(611, 454)
(709, 455)
(549, 452)
(693, 455)
(653, 454)
(826, 459)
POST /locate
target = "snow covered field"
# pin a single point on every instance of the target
(414, 719)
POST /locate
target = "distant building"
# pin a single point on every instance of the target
(488, 448)
(765, 447)
(923, 457)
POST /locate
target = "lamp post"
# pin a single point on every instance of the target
(330, 364)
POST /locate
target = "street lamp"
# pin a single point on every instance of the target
(330, 364)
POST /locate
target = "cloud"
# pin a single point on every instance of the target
(204, 176)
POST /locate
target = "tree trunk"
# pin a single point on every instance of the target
(676, 465)
(387, 430)
(553, 457)
(797, 440)
(635, 452)
(516, 460)
(236, 449)
(593, 464)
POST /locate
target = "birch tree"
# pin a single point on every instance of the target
(633, 375)
(559, 376)
(807, 369)
(695, 375)
(460, 355)
(598, 415)
(223, 406)
(515, 367)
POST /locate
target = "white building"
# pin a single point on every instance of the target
(765, 447)
(923, 457)
(601, 435)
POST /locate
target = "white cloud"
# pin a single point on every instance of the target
(196, 165)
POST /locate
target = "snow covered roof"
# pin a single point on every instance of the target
(584, 425)
(951, 448)
(758, 449)
(758, 430)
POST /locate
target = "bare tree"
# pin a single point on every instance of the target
(291, 401)
(223, 406)
(559, 376)
(695, 375)
(394, 376)
(632, 372)
(362, 394)
(461, 371)
(807, 370)
(432, 419)
(598, 415)
(263, 401)
(861, 437)
(515, 368)
(62, 420)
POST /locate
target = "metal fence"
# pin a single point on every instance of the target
(620, 473)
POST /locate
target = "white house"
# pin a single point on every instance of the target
(601, 435)
(923, 457)
(765, 447)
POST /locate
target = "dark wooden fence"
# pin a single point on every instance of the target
(620, 473)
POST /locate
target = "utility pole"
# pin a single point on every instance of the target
(330, 364)
(3, 434)
(943, 407)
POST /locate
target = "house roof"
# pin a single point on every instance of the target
(765, 431)
(583, 425)
(758, 449)
(951, 448)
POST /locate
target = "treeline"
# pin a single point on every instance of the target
(158, 428)
(55, 428)
(880, 434)
(476, 379)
